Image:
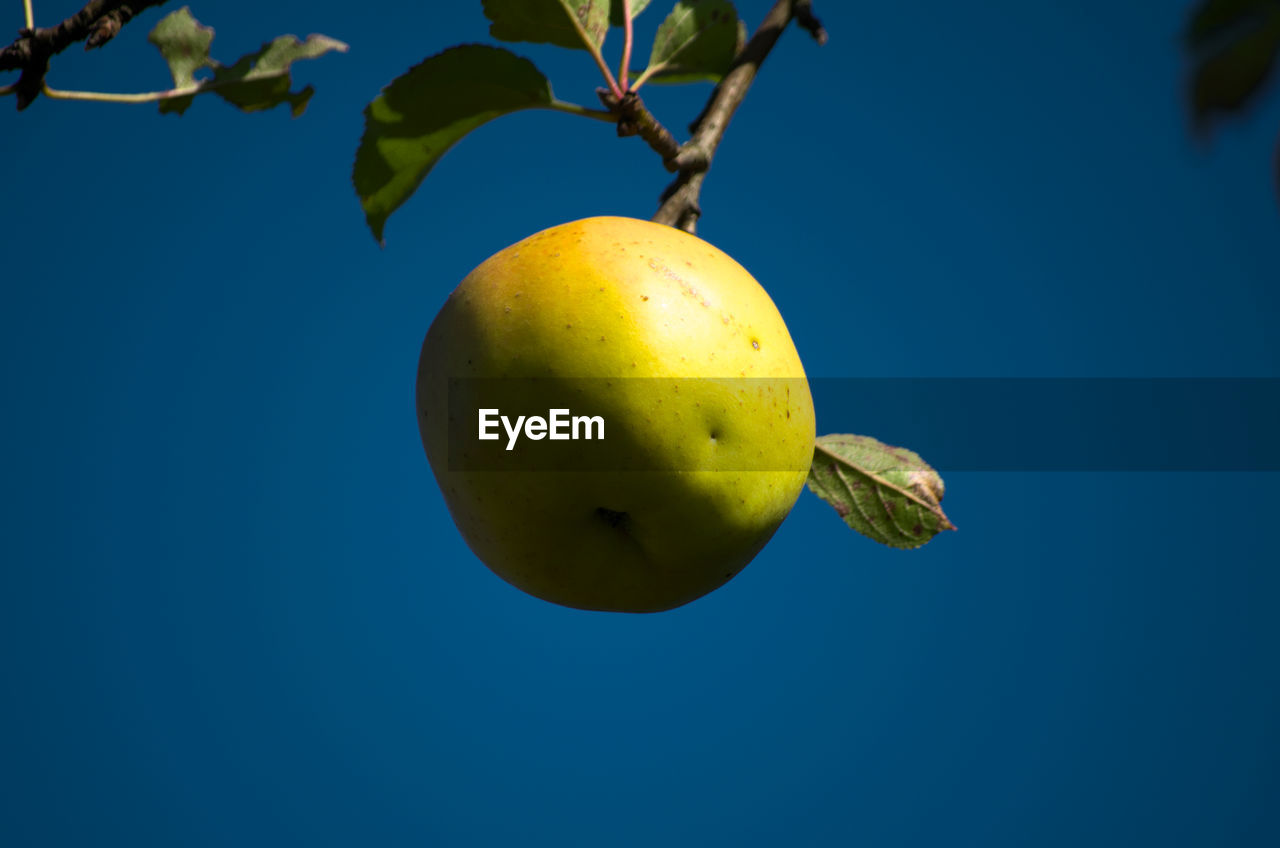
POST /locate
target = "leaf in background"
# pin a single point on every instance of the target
(259, 80)
(615, 13)
(697, 41)
(184, 44)
(1212, 18)
(426, 110)
(1234, 44)
(559, 22)
(889, 494)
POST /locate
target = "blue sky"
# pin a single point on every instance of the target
(234, 609)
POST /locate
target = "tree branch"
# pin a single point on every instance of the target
(109, 25)
(98, 21)
(679, 203)
(634, 119)
(803, 11)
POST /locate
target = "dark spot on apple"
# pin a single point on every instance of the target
(755, 343)
(614, 518)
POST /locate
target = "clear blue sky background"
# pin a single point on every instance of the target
(234, 610)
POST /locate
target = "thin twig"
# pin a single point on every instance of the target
(140, 97)
(679, 203)
(803, 11)
(634, 119)
(109, 25)
(34, 47)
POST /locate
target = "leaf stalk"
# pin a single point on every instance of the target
(596, 55)
(624, 67)
(575, 109)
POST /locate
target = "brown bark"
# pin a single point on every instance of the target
(97, 23)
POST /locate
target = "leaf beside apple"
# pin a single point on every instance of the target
(886, 493)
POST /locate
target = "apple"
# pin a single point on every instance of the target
(706, 423)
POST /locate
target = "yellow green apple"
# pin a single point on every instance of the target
(705, 422)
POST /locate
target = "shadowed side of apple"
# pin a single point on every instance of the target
(708, 425)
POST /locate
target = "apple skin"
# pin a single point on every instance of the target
(616, 298)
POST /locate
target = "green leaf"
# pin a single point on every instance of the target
(615, 13)
(888, 494)
(184, 44)
(425, 111)
(697, 41)
(564, 23)
(1234, 46)
(259, 80)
